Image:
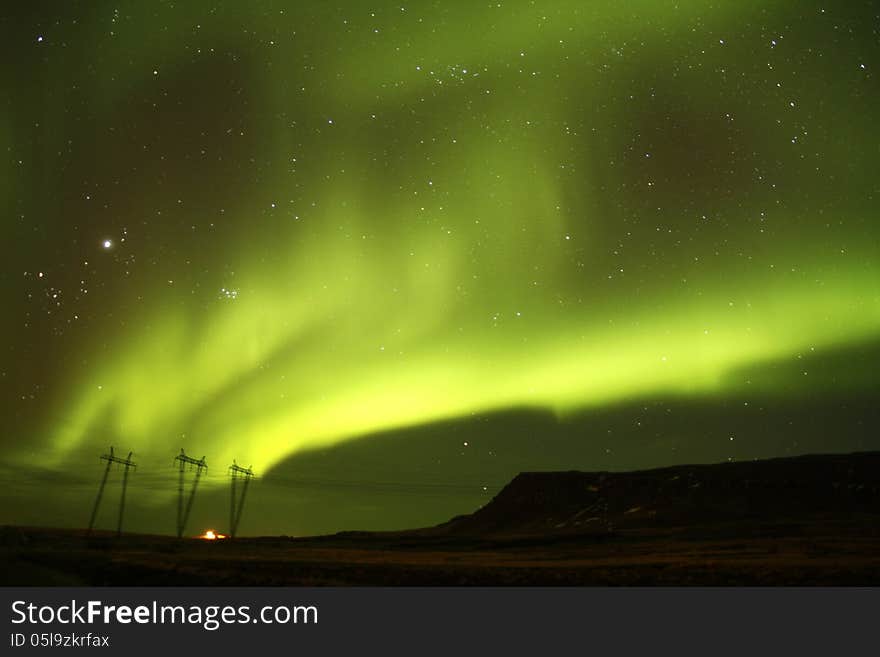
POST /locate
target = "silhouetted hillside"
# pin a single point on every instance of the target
(810, 520)
(783, 489)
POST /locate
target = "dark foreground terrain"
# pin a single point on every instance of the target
(811, 520)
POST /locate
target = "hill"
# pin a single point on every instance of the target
(792, 489)
(807, 520)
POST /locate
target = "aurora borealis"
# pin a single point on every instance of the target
(261, 229)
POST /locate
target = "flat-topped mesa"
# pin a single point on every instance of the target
(780, 489)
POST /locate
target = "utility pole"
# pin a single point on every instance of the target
(126, 463)
(183, 461)
(236, 471)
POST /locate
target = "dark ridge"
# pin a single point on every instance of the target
(811, 520)
(780, 489)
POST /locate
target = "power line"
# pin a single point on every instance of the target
(436, 487)
(185, 461)
(236, 471)
(126, 463)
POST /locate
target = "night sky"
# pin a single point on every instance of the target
(392, 254)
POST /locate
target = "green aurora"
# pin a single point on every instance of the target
(325, 222)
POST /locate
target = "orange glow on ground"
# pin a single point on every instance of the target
(211, 535)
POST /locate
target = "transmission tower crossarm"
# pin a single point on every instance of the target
(183, 513)
(127, 464)
(235, 471)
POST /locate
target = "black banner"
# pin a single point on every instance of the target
(408, 621)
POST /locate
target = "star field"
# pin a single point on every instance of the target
(259, 230)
